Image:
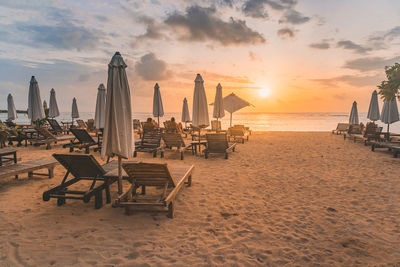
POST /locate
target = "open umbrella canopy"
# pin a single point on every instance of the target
(233, 103)
(389, 112)
(185, 111)
(35, 108)
(373, 110)
(100, 112)
(200, 110)
(53, 108)
(353, 119)
(218, 111)
(118, 137)
(74, 112)
(158, 110)
(11, 111)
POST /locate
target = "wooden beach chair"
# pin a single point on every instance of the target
(150, 142)
(241, 126)
(81, 124)
(372, 132)
(393, 147)
(238, 134)
(215, 126)
(47, 138)
(29, 167)
(218, 143)
(341, 128)
(170, 178)
(354, 129)
(56, 128)
(85, 140)
(82, 167)
(175, 140)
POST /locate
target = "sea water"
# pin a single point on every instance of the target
(256, 121)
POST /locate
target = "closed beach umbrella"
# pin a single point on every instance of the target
(185, 111)
(35, 108)
(44, 105)
(200, 110)
(233, 103)
(158, 110)
(100, 113)
(11, 111)
(218, 103)
(118, 134)
(53, 108)
(74, 111)
(373, 110)
(353, 119)
(390, 113)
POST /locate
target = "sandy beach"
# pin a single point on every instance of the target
(283, 198)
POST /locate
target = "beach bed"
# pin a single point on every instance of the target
(218, 143)
(150, 143)
(172, 140)
(85, 140)
(394, 147)
(341, 128)
(48, 138)
(167, 177)
(29, 167)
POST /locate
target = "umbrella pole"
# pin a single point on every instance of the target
(119, 175)
(231, 121)
(158, 121)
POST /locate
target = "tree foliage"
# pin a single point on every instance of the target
(389, 89)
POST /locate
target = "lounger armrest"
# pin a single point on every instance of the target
(174, 192)
(231, 147)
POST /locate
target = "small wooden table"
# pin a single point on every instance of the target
(5, 154)
(195, 144)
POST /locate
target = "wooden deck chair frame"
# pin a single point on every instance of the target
(57, 129)
(218, 143)
(156, 175)
(172, 140)
(150, 142)
(48, 138)
(238, 134)
(341, 128)
(85, 140)
(81, 167)
(393, 147)
(81, 124)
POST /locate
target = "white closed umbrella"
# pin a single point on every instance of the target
(53, 107)
(353, 119)
(390, 113)
(218, 103)
(185, 111)
(200, 109)
(74, 111)
(35, 108)
(158, 110)
(233, 103)
(118, 133)
(100, 112)
(373, 110)
(11, 111)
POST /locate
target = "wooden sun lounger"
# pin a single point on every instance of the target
(238, 134)
(218, 143)
(29, 167)
(85, 140)
(81, 167)
(48, 138)
(341, 128)
(372, 132)
(56, 128)
(150, 142)
(172, 140)
(81, 124)
(169, 178)
(394, 147)
(354, 129)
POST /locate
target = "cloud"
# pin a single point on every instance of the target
(257, 8)
(153, 31)
(202, 23)
(61, 36)
(370, 63)
(292, 16)
(286, 33)
(150, 68)
(321, 45)
(253, 56)
(353, 80)
(350, 45)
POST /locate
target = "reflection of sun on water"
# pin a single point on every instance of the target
(264, 92)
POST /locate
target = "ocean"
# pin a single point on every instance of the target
(318, 122)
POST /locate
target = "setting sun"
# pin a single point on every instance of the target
(264, 92)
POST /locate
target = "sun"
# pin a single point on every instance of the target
(264, 92)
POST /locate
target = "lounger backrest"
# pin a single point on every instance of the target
(236, 131)
(173, 139)
(354, 129)
(81, 123)
(149, 174)
(151, 138)
(342, 127)
(54, 124)
(90, 124)
(215, 125)
(82, 135)
(80, 165)
(45, 133)
(217, 142)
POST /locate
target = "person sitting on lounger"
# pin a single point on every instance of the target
(175, 127)
(150, 125)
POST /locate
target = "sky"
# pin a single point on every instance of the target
(280, 55)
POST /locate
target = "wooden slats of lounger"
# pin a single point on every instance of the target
(341, 128)
(169, 178)
(49, 138)
(394, 147)
(29, 167)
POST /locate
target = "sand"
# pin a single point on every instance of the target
(296, 199)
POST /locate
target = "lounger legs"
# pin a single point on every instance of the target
(171, 210)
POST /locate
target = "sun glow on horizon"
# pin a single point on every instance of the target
(264, 92)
